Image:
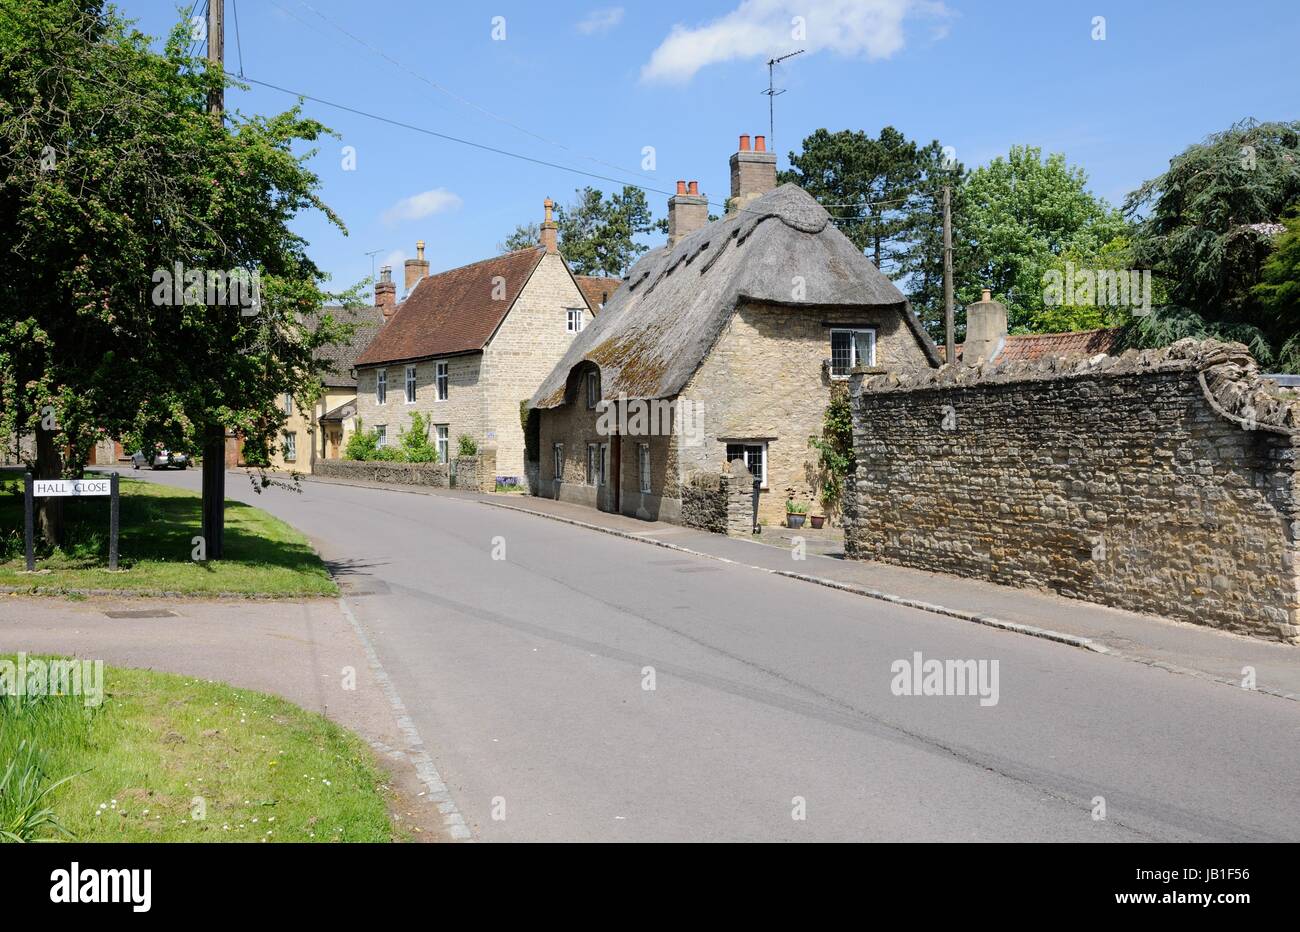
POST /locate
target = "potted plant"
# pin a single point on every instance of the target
(795, 512)
(817, 521)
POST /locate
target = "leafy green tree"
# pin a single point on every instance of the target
(1278, 293)
(1208, 226)
(1022, 215)
(413, 444)
(112, 172)
(525, 236)
(597, 235)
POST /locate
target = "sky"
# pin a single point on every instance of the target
(651, 92)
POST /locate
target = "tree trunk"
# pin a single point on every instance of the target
(49, 511)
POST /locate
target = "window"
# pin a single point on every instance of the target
(559, 461)
(754, 455)
(593, 463)
(440, 380)
(410, 385)
(643, 465)
(288, 403)
(573, 320)
(851, 348)
(381, 387)
(444, 446)
(593, 389)
(290, 448)
(602, 463)
(381, 435)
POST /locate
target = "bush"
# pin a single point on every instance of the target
(467, 445)
(796, 508)
(413, 445)
(362, 445)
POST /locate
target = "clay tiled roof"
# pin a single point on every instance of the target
(1031, 347)
(455, 311)
(597, 290)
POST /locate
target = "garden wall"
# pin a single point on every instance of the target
(431, 474)
(1162, 481)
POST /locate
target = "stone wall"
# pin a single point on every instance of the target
(431, 474)
(1162, 481)
(721, 503)
(476, 473)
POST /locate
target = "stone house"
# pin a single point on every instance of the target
(320, 429)
(470, 345)
(723, 344)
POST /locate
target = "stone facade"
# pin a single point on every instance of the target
(485, 388)
(1161, 482)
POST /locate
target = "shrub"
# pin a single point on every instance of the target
(362, 445)
(413, 445)
(467, 445)
(796, 508)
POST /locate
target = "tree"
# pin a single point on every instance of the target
(1207, 228)
(1021, 214)
(153, 286)
(1278, 294)
(596, 235)
(885, 194)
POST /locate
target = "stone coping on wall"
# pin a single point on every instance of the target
(1228, 374)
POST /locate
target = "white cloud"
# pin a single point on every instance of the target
(601, 20)
(761, 28)
(419, 206)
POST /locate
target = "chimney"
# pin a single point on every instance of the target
(550, 229)
(386, 292)
(986, 330)
(688, 211)
(416, 268)
(753, 172)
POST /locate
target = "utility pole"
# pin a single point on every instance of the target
(214, 446)
(771, 93)
(949, 337)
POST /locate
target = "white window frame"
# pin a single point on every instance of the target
(853, 349)
(593, 390)
(288, 404)
(410, 385)
(381, 387)
(573, 320)
(643, 466)
(381, 435)
(593, 470)
(290, 446)
(557, 451)
(442, 435)
(441, 381)
(746, 444)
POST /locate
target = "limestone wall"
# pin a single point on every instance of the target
(1161, 481)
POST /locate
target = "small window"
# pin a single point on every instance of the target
(440, 380)
(410, 385)
(442, 432)
(381, 435)
(559, 461)
(573, 320)
(755, 457)
(601, 464)
(290, 448)
(850, 348)
(643, 465)
(593, 389)
(381, 387)
(288, 403)
(593, 459)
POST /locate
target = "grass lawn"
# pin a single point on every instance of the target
(171, 758)
(263, 554)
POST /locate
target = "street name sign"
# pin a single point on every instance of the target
(57, 488)
(68, 488)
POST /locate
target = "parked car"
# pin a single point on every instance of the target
(161, 459)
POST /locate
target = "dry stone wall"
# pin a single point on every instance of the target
(1162, 481)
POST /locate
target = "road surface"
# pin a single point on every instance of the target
(771, 715)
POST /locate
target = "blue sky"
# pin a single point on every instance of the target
(590, 85)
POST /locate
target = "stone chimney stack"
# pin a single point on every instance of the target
(688, 211)
(416, 268)
(550, 229)
(986, 330)
(386, 292)
(753, 172)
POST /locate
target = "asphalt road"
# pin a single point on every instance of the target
(526, 678)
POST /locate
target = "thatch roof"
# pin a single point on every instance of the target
(657, 329)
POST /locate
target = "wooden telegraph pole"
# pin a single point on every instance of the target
(214, 447)
(949, 337)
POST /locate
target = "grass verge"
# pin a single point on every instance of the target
(172, 758)
(264, 556)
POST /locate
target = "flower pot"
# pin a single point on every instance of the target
(794, 520)
(817, 521)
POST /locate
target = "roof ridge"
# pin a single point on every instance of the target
(468, 265)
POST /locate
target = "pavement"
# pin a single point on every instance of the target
(575, 685)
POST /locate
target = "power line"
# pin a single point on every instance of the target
(239, 46)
